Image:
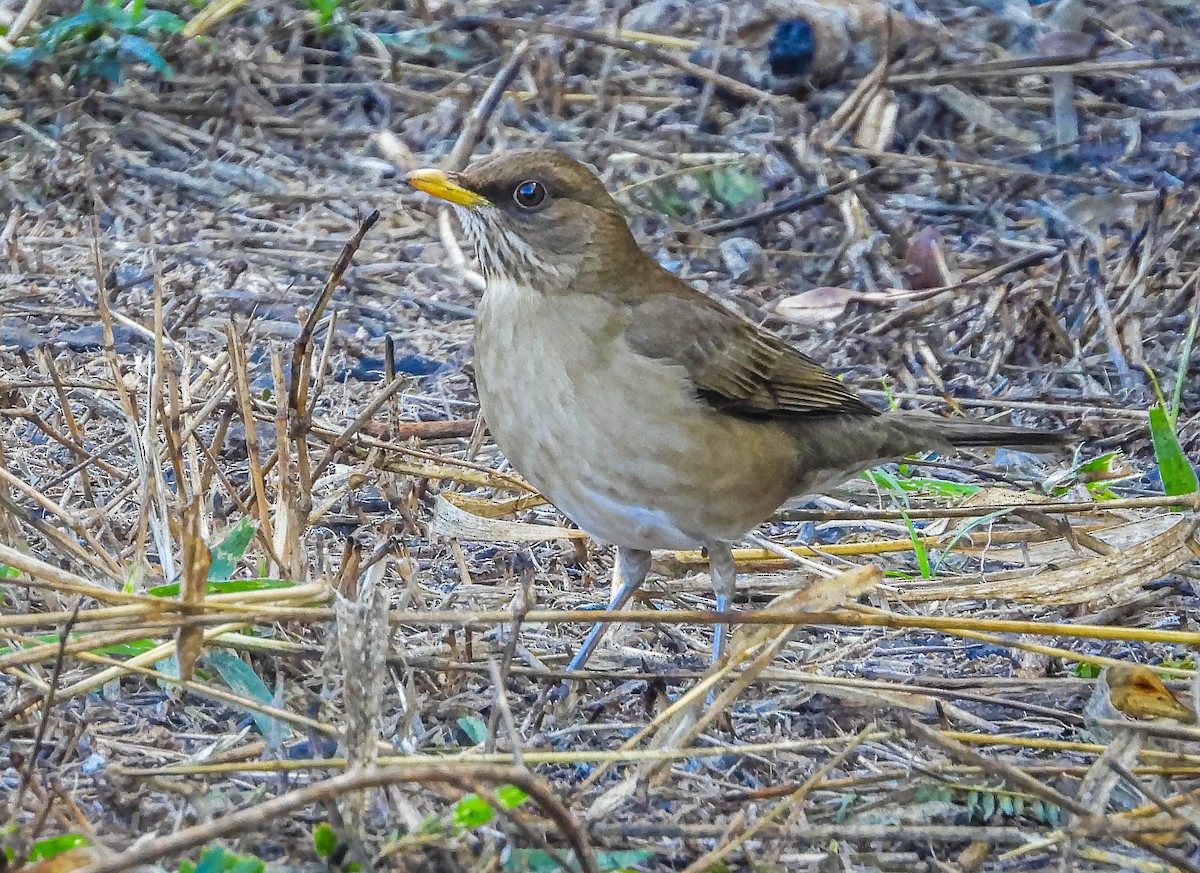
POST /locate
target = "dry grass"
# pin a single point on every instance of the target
(199, 302)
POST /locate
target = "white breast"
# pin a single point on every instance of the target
(549, 382)
(615, 440)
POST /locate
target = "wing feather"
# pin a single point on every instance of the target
(735, 365)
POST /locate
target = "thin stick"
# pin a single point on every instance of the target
(302, 350)
(973, 511)
(47, 704)
(480, 113)
(1044, 66)
(724, 83)
(788, 205)
(261, 814)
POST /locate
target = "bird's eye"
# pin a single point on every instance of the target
(529, 194)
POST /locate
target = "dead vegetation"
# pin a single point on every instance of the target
(253, 537)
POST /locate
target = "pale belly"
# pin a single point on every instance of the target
(615, 440)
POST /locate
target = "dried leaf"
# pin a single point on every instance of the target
(362, 639)
(821, 595)
(925, 260)
(1091, 211)
(614, 797)
(1123, 745)
(1113, 579)
(817, 305)
(196, 561)
(878, 124)
(1059, 551)
(1137, 691)
(485, 508)
(977, 111)
(450, 521)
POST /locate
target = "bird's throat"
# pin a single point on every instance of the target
(505, 257)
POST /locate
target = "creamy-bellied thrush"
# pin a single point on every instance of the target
(651, 415)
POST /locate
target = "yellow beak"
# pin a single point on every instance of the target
(445, 186)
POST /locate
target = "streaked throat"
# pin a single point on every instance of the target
(504, 257)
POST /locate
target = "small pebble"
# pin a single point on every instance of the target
(743, 259)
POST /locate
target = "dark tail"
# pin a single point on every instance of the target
(964, 433)
(834, 448)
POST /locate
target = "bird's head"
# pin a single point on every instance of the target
(534, 216)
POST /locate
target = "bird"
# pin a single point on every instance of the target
(650, 414)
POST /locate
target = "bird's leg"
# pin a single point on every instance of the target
(629, 574)
(724, 577)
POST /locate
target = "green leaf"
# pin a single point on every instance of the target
(105, 65)
(510, 796)
(418, 41)
(214, 860)
(619, 860)
(903, 484)
(127, 650)
(664, 198)
(142, 50)
(71, 27)
(530, 861)
(241, 678)
(732, 186)
(885, 481)
(963, 531)
(540, 861)
(324, 840)
(52, 846)
(939, 486)
(248, 864)
(919, 546)
(1053, 815)
(1087, 670)
(1102, 465)
(22, 58)
(1177, 474)
(225, 556)
(474, 728)
(232, 586)
(430, 826)
(472, 811)
(1187, 662)
(29, 644)
(160, 19)
(118, 18)
(844, 805)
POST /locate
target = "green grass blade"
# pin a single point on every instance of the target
(1176, 472)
